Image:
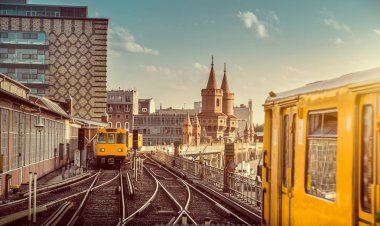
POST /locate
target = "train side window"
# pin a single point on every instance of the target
(321, 154)
(102, 138)
(120, 138)
(367, 158)
(111, 138)
(285, 150)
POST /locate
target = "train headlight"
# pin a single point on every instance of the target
(119, 150)
(102, 149)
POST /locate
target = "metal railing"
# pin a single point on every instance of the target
(247, 189)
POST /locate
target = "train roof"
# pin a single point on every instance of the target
(344, 80)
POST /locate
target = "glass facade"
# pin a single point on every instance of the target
(43, 11)
(24, 57)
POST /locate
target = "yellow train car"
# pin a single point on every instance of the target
(130, 141)
(111, 147)
(321, 158)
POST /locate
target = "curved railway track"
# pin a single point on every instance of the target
(175, 201)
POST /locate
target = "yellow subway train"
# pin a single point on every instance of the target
(321, 153)
(113, 145)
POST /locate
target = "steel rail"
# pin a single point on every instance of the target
(147, 203)
(74, 218)
(122, 197)
(182, 211)
(58, 214)
(43, 193)
(11, 218)
(212, 200)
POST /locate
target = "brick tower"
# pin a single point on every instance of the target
(228, 107)
(212, 116)
(187, 131)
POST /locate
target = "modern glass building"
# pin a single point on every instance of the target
(24, 57)
(56, 51)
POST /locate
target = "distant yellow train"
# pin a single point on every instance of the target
(113, 145)
(321, 158)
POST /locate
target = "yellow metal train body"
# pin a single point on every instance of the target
(321, 153)
(113, 145)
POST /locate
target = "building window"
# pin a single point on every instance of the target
(110, 116)
(126, 126)
(3, 35)
(126, 108)
(127, 117)
(321, 154)
(127, 98)
(110, 124)
(109, 107)
(29, 35)
(144, 109)
(118, 116)
(217, 102)
(118, 124)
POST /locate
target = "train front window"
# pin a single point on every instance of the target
(111, 138)
(321, 154)
(120, 138)
(102, 138)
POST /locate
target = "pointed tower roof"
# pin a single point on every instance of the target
(246, 127)
(211, 84)
(187, 120)
(224, 86)
(196, 121)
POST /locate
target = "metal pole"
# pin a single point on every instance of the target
(30, 196)
(35, 199)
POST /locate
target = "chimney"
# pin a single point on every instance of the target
(69, 104)
(104, 117)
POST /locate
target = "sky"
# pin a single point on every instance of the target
(163, 48)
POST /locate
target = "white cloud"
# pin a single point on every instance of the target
(333, 23)
(338, 41)
(251, 21)
(377, 31)
(274, 16)
(201, 68)
(121, 40)
(154, 69)
(291, 69)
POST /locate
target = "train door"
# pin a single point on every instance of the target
(286, 166)
(368, 196)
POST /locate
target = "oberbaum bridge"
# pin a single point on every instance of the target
(211, 147)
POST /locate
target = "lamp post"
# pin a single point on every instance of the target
(39, 126)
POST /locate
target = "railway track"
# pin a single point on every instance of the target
(175, 201)
(102, 207)
(160, 208)
(46, 197)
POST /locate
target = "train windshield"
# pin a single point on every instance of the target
(120, 138)
(101, 138)
(111, 138)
